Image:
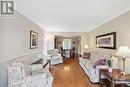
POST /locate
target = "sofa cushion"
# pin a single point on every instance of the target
(100, 62)
(25, 62)
(36, 78)
(84, 61)
(42, 70)
(88, 64)
(15, 71)
(86, 55)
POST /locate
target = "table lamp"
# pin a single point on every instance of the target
(123, 52)
(86, 47)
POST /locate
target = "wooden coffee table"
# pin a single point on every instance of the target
(115, 77)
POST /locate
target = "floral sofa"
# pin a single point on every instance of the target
(29, 72)
(88, 65)
(55, 56)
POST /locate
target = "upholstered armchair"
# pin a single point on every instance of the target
(55, 57)
(24, 73)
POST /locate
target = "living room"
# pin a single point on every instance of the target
(28, 34)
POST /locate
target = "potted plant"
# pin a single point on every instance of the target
(109, 62)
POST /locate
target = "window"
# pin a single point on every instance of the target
(67, 44)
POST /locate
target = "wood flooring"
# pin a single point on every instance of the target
(70, 74)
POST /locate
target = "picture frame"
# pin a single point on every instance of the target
(107, 41)
(33, 40)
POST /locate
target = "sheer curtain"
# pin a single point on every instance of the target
(67, 44)
(67, 47)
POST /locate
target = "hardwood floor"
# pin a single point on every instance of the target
(70, 74)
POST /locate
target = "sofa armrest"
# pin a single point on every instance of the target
(100, 67)
(15, 74)
(46, 64)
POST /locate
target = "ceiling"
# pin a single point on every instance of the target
(68, 37)
(71, 15)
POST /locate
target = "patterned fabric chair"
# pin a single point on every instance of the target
(55, 57)
(22, 74)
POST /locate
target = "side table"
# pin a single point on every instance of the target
(115, 77)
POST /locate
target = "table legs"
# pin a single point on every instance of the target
(112, 84)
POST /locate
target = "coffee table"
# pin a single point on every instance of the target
(115, 77)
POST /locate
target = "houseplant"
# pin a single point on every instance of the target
(109, 62)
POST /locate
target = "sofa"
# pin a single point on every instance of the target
(29, 72)
(55, 56)
(88, 65)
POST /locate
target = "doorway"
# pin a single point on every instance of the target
(69, 47)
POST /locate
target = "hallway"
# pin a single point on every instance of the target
(70, 74)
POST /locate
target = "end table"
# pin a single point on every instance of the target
(115, 77)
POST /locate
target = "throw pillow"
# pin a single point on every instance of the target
(86, 55)
(100, 62)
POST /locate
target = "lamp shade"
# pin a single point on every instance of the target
(86, 46)
(123, 51)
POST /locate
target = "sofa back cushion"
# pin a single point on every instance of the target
(95, 56)
(34, 57)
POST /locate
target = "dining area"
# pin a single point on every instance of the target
(69, 47)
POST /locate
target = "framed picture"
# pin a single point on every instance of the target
(33, 40)
(106, 41)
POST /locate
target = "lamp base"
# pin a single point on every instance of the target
(123, 72)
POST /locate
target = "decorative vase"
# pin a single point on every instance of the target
(110, 69)
(109, 62)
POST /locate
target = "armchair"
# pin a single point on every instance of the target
(55, 57)
(17, 79)
(22, 74)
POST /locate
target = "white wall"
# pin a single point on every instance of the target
(121, 25)
(48, 42)
(15, 41)
(15, 37)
